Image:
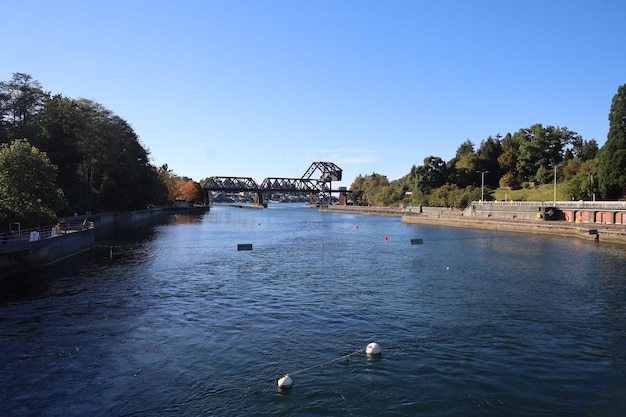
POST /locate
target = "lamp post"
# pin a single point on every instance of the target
(555, 165)
(482, 186)
(38, 201)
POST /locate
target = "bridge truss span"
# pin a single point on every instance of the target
(287, 185)
(230, 184)
(319, 188)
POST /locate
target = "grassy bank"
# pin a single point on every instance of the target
(540, 193)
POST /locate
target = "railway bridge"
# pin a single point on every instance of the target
(316, 182)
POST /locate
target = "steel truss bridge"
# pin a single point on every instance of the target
(316, 181)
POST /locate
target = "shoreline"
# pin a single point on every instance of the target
(605, 233)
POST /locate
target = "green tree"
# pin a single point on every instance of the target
(167, 188)
(540, 148)
(612, 156)
(434, 172)
(63, 139)
(508, 161)
(366, 189)
(488, 153)
(450, 195)
(465, 150)
(21, 105)
(28, 190)
(115, 168)
(589, 150)
(460, 170)
(582, 184)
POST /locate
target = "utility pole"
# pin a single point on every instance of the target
(482, 186)
(555, 184)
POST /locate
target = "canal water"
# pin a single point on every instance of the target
(176, 321)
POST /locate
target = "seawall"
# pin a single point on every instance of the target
(366, 210)
(137, 218)
(449, 217)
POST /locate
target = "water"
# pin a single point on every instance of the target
(180, 323)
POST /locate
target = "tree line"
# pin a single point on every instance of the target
(530, 156)
(60, 156)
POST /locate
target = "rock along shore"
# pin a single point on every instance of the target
(445, 217)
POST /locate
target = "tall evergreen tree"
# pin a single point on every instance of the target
(21, 105)
(612, 156)
(488, 154)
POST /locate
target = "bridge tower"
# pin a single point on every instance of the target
(328, 172)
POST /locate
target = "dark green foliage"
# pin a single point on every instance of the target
(540, 149)
(99, 162)
(487, 160)
(511, 161)
(21, 104)
(612, 156)
(28, 190)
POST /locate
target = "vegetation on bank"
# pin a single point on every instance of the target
(518, 166)
(60, 156)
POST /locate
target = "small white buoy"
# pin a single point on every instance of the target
(372, 349)
(285, 382)
(447, 268)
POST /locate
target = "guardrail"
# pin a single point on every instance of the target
(20, 239)
(609, 205)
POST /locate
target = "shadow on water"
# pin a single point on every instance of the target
(121, 246)
(113, 246)
(34, 284)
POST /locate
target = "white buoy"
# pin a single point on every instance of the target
(372, 349)
(285, 382)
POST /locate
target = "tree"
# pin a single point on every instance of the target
(583, 184)
(190, 191)
(461, 168)
(612, 156)
(488, 154)
(167, 185)
(115, 168)
(63, 138)
(435, 171)
(589, 150)
(21, 104)
(465, 150)
(508, 161)
(541, 148)
(365, 189)
(28, 190)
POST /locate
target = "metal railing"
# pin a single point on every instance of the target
(609, 205)
(20, 239)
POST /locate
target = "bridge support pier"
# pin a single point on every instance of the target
(258, 199)
(343, 199)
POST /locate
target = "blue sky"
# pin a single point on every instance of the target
(264, 88)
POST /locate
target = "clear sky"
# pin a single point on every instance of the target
(263, 88)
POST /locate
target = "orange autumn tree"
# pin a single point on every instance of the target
(189, 190)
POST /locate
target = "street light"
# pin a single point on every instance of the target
(39, 216)
(482, 186)
(555, 165)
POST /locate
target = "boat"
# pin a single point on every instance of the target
(31, 249)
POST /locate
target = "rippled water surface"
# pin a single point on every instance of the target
(178, 322)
